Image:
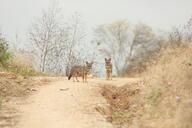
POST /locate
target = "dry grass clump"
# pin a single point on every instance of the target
(168, 81)
(135, 69)
(165, 100)
(23, 65)
(184, 115)
(173, 67)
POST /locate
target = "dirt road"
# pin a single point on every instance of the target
(66, 104)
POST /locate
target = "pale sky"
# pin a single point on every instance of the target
(16, 15)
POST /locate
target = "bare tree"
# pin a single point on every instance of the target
(75, 30)
(126, 44)
(143, 40)
(176, 36)
(188, 31)
(57, 41)
(181, 34)
(43, 34)
(114, 41)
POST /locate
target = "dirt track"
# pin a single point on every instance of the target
(66, 104)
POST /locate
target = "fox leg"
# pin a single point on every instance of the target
(106, 75)
(83, 77)
(73, 78)
(111, 75)
(77, 79)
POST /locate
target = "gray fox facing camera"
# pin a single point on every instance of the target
(82, 71)
(108, 67)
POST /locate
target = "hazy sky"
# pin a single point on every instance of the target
(16, 15)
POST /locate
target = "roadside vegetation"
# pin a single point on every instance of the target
(163, 98)
(16, 70)
(19, 63)
(22, 64)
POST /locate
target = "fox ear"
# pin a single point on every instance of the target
(105, 58)
(86, 62)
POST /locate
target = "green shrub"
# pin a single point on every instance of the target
(4, 54)
(4, 57)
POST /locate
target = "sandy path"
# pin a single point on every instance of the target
(65, 104)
